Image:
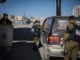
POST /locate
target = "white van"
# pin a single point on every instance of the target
(53, 29)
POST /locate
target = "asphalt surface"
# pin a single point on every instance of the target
(22, 34)
(23, 51)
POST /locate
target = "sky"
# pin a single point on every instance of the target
(38, 8)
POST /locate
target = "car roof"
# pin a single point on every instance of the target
(61, 17)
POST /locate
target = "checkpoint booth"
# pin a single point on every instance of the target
(6, 36)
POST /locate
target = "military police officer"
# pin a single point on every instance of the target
(5, 36)
(5, 20)
(71, 40)
(36, 34)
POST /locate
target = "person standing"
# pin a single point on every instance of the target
(5, 20)
(36, 34)
(3, 35)
(71, 40)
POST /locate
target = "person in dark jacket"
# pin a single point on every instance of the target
(71, 39)
(4, 52)
(5, 20)
(36, 34)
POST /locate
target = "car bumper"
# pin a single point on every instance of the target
(55, 52)
(58, 53)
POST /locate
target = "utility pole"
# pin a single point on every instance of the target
(58, 7)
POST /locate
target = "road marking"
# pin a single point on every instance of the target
(17, 41)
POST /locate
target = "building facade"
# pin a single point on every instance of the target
(20, 21)
(76, 11)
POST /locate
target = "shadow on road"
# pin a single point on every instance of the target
(23, 51)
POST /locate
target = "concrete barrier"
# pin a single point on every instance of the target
(6, 35)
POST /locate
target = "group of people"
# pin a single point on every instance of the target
(71, 38)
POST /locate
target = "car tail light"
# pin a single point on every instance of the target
(50, 39)
(56, 39)
(53, 39)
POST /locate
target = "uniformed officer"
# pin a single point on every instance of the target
(36, 34)
(71, 40)
(4, 51)
(5, 20)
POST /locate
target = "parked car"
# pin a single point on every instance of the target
(53, 29)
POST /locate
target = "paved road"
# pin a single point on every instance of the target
(23, 51)
(22, 34)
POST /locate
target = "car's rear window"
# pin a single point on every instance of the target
(47, 24)
(59, 25)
